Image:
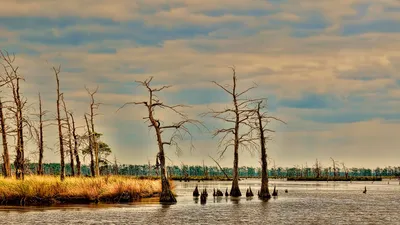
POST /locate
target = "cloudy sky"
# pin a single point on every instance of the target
(329, 69)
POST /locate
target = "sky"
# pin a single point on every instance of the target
(328, 68)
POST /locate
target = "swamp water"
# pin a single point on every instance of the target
(305, 203)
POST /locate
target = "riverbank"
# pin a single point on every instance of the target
(49, 190)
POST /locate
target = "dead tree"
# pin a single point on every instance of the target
(262, 120)
(178, 129)
(60, 133)
(95, 145)
(76, 153)
(6, 156)
(40, 138)
(334, 167)
(317, 169)
(90, 143)
(238, 115)
(13, 80)
(346, 170)
(69, 137)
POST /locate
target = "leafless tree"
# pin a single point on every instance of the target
(40, 137)
(12, 79)
(60, 132)
(69, 137)
(95, 146)
(6, 156)
(76, 153)
(179, 129)
(238, 115)
(90, 143)
(262, 121)
(317, 168)
(334, 163)
(345, 170)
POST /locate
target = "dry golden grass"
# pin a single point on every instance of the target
(50, 187)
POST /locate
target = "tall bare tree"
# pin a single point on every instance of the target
(239, 115)
(178, 128)
(60, 132)
(76, 153)
(6, 156)
(262, 120)
(69, 137)
(90, 143)
(40, 138)
(95, 144)
(12, 78)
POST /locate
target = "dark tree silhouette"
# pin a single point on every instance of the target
(262, 120)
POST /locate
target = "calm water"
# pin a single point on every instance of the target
(305, 203)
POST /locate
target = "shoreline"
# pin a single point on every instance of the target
(49, 190)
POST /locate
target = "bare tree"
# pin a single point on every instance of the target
(334, 163)
(262, 121)
(179, 129)
(13, 79)
(90, 143)
(317, 169)
(69, 137)
(75, 136)
(95, 145)
(346, 170)
(40, 138)
(238, 115)
(60, 133)
(6, 156)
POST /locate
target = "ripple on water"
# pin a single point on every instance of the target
(305, 203)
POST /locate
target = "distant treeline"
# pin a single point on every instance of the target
(182, 171)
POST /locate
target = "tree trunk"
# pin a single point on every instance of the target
(71, 152)
(166, 193)
(6, 156)
(78, 161)
(60, 136)
(92, 166)
(235, 191)
(94, 142)
(40, 164)
(264, 193)
(19, 161)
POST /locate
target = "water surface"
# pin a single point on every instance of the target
(305, 203)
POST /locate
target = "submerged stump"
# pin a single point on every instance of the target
(196, 192)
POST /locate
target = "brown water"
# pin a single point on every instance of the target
(305, 203)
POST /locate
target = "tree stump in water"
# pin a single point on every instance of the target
(249, 193)
(203, 197)
(226, 192)
(196, 192)
(219, 193)
(275, 192)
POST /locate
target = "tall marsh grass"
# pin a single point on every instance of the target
(36, 190)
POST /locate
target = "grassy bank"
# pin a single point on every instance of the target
(334, 179)
(48, 190)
